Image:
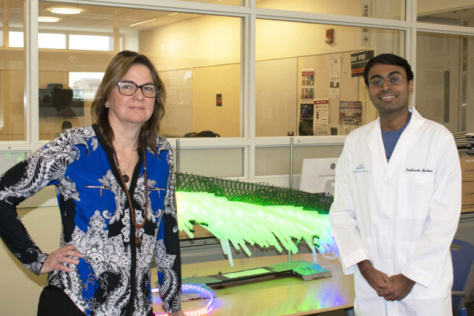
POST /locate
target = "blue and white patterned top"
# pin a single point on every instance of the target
(113, 277)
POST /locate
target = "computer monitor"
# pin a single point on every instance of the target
(59, 102)
(318, 175)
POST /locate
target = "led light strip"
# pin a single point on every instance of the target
(195, 312)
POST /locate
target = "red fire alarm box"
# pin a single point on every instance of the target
(329, 36)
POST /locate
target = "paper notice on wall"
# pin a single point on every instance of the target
(359, 61)
(307, 77)
(307, 84)
(350, 115)
(334, 77)
(321, 117)
(307, 93)
(306, 119)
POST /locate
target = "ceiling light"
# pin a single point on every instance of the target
(142, 22)
(66, 10)
(48, 19)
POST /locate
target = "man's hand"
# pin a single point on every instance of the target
(400, 287)
(57, 259)
(378, 280)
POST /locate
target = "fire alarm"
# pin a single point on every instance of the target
(329, 36)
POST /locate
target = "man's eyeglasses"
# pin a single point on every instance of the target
(391, 81)
(129, 88)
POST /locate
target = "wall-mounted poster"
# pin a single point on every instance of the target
(321, 117)
(358, 62)
(307, 84)
(306, 119)
(350, 115)
(307, 77)
(307, 93)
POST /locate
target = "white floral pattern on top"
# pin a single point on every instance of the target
(113, 276)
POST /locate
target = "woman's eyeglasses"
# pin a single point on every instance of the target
(129, 88)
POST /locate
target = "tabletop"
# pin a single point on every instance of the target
(272, 295)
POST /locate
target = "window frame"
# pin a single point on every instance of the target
(249, 14)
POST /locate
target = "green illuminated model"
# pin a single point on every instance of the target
(240, 212)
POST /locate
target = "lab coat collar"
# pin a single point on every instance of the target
(406, 141)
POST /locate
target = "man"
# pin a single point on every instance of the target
(397, 202)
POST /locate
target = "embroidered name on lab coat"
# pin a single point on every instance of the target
(418, 170)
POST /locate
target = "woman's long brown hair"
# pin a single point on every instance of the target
(115, 71)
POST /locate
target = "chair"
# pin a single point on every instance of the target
(462, 253)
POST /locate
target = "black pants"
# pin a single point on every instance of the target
(55, 302)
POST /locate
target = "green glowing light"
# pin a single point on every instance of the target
(241, 213)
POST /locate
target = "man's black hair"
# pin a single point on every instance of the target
(388, 59)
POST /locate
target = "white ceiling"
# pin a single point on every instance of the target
(105, 19)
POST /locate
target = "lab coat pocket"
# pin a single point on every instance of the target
(415, 190)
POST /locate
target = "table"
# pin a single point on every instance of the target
(275, 295)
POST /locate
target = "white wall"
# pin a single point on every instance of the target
(21, 288)
(435, 6)
(276, 96)
(195, 42)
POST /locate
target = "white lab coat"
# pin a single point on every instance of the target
(401, 215)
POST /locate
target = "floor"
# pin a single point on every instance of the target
(470, 309)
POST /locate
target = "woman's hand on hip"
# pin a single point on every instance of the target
(57, 260)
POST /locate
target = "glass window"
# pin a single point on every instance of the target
(52, 40)
(225, 162)
(88, 81)
(197, 56)
(275, 161)
(12, 71)
(443, 82)
(225, 2)
(10, 158)
(459, 13)
(91, 42)
(272, 161)
(312, 87)
(17, 39)
(383, 9)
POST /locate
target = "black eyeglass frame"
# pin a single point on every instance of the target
(119, 86)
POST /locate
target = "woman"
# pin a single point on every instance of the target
(116, 196)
